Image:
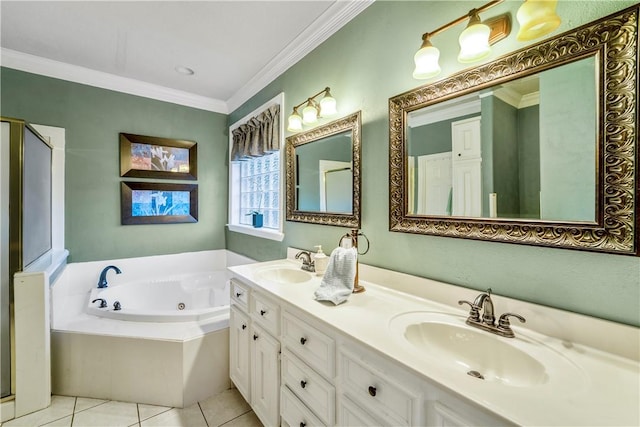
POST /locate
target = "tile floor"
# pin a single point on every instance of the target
(227, 409)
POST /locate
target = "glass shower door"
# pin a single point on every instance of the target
(5, 338)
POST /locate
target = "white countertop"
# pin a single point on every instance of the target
(606, 390)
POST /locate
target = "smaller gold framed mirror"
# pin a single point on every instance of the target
(323, 174)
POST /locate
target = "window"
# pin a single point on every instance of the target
(255, 174)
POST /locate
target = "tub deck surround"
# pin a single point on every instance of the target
(159, 363)
(607, 385)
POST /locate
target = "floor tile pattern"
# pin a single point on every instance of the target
(226, 409)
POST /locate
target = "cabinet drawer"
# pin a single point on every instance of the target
(239, 294)
(293, 411)
(376, 392)
(266, 313)
(314, 347)
(350, 414)
(309, 387)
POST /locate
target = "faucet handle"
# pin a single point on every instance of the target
(504, 326)
(474, 312)
(504, 319)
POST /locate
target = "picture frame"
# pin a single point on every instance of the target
(154, 157)
(158, 203)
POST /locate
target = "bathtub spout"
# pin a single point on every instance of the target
(102, 282)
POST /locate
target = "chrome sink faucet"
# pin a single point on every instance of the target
(307, 262)
(487, 321)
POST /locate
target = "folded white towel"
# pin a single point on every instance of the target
(337, 282)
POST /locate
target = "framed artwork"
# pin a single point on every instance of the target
(153, 157)
(158, 203)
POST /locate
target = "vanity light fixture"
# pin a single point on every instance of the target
(312, 111)
(474, 40)
(537, 18)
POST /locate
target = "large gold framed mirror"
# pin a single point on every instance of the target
(538, 147)
(323, 174)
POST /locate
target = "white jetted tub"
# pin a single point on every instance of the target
(168, 344)
(184, 298)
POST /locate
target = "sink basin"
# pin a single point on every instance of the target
(515, 362)
(283, 275)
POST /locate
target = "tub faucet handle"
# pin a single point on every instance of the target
(103, 302)
(117, 306)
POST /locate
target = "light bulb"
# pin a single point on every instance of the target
(426, 60)
(295, 122)
(474, 41)
(328, 105)
(309, 114)
(537, 18)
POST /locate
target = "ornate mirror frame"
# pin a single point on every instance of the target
(349, 123)
(614, 40)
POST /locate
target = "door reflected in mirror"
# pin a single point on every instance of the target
(324, 176)
(524, 149)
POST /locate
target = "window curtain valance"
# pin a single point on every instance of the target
(260, 135)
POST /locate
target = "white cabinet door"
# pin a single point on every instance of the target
(239, 369)
(265, 376)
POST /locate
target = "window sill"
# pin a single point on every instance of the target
(264, 233)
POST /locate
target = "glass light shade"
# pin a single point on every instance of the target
(309, 114)
(295, 123)
(537, 18)
(474, 43)
(328, 106)
(426, 60)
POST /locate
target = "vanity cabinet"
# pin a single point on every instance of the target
(295, 371)
(387, 393)
(254, 350)
(239, 342)
(308, 367)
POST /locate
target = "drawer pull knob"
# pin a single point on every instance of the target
(372, 390)
(303, 383)
(244, 326)
(262, 312)
(255, 337)
(238, 294)
(302, 424)
(303, 340)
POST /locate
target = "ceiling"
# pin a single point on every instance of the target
(235, 47)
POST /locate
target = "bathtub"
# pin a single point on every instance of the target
(150, 351)
(184, 298)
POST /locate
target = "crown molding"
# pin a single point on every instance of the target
(73, 73)
(334, 18)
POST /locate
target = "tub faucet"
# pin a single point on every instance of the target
(307, 262)
(102, 282)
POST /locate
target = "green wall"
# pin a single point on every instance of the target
(367, 62)
(529, 161)
(93, 118)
